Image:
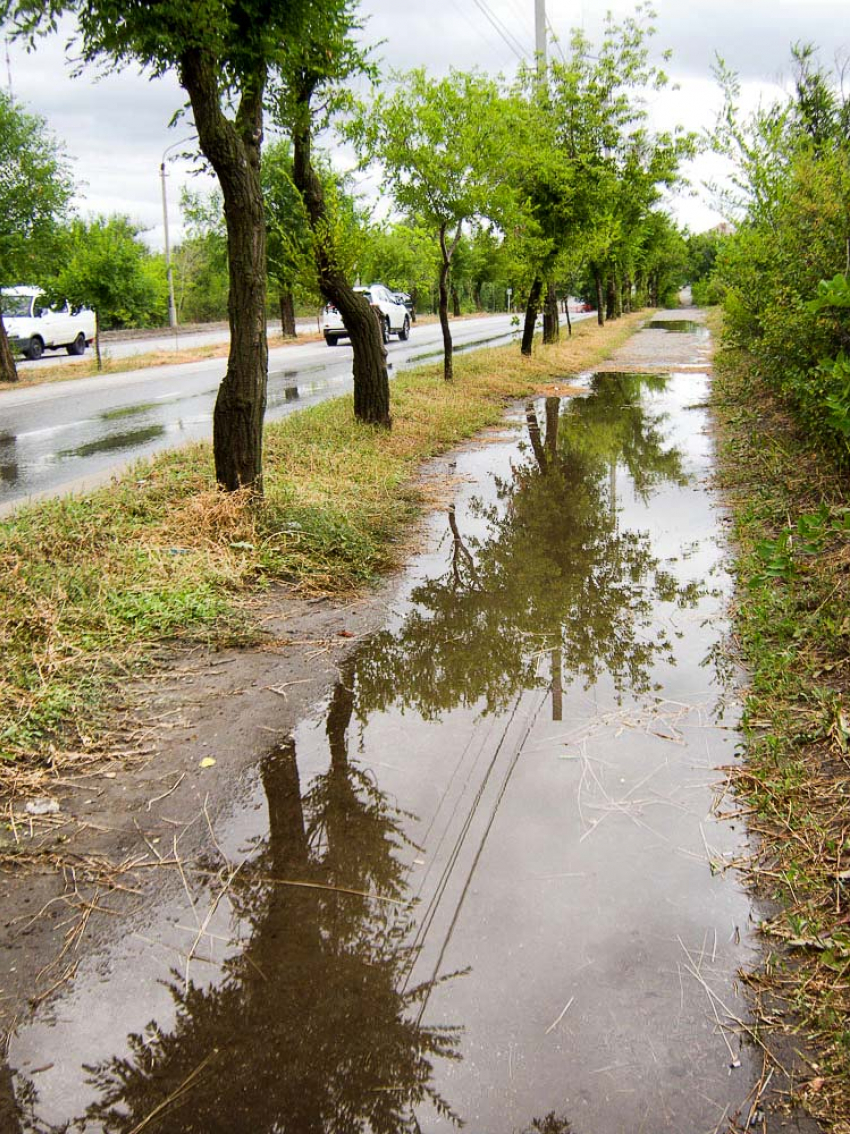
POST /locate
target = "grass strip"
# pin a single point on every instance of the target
(791, 518)
(92, 587)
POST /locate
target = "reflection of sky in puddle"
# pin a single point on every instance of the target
(527, 750)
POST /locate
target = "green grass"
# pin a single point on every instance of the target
(92, 586)
(791, 518)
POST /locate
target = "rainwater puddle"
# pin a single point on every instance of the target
(483, 882)
(678, 326)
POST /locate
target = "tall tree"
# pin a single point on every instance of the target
(107, 267)
(441, 143)
(35, 188)
(223, 52)
(311, 92)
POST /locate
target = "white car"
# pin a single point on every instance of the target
(34, 327)
(395, 318)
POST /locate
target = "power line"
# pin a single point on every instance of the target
(479, 31)
(511, 40)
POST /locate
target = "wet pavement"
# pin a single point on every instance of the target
(484, 881)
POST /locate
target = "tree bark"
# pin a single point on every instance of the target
(447, 250)
(8, 370)
(600, 304)
(233, 149)
(551, 323)
(97, 353)
(455, 303)
(610, 297)
(531, 309)
(371, 378)
(287, 315)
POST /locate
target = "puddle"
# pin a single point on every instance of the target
(678, 326)
(116, 442)
(483, 883)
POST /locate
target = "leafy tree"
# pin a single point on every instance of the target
(441, 144)
(107, 267)
(589, 169)
(223, 52)
(200, 260)
(311, 92)
(35, 188)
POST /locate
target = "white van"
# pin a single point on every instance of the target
(34, 327)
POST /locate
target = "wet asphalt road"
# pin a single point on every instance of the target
(485, 880)
(72, 435)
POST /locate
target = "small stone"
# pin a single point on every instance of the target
(42, 806)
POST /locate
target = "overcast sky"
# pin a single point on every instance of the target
(115, 129)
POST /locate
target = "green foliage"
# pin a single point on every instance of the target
(35, 189)
(201, 281)
(108, 268)
(441, 144)
(786, 297)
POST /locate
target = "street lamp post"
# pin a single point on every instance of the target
(172, 309)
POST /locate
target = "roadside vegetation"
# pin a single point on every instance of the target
(791, 515)
(94, 587)
(782, 402)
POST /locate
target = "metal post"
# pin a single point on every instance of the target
(172, 310)
(172, 307)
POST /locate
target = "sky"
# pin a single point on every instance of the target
(115, 129)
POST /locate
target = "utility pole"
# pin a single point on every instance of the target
(172, 308)
(540, 36)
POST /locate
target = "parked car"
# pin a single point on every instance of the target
(394, 316)
(33, 326)
(403, 297)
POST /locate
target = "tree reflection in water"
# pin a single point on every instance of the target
(308, 1030)
(555, 574)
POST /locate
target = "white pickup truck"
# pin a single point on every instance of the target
(33, 327)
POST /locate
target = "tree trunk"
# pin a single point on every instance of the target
(600, 307)
(531, 309)
(610, 297)
(551, 323)
(455, 303)
(448, 366)
(447, 250)
(233, 149)
(8, 370)
(97, 353)
(287, 315)
(626, 295)
(567, 313)
(371, 378)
